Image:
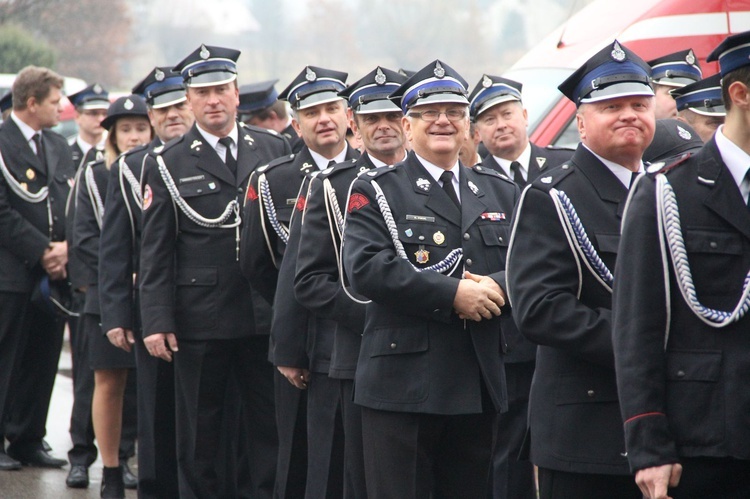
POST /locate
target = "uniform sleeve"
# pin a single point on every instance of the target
(258, 257)
(377, 272)
(289, 327)
(316, 282)
(86, 232)
(543, 281)
(158, 246)
(116, 258)
(639, 326)
(19, 236)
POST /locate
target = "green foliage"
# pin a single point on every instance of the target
(18, 49)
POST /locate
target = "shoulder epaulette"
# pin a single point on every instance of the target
(97, 163)
(668, 164)
(332, 170)
(376, 172)
(168, 145)
(134, 150)
(482, 170)
(553, 177)
(276, 162)
(266, 131)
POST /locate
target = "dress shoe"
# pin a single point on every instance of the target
(39, 458)
(7, 463)
(128, 478)
(112, 486)
(78, 477)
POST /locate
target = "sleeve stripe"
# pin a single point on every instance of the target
(645, 414)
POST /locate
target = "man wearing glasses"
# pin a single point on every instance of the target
(425, 240)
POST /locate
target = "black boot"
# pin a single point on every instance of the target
(112, 486)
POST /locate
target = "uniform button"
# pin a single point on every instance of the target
(54, 218)
(393, 346)
(467, 236)
(421, 238)
(500, 238)
(469, 262)
(193, 280)
(680, 373)
(436, 311)
(199, 191)
(239, 189)
(713, 244)
(590, 393)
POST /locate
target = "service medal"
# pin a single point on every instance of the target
(30, 174)
(423, 256)
(438, 237)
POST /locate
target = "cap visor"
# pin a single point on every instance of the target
(624, 89)
(318, 98)
(378, 106)
(211, 79)
(168, 99)
(445, 98)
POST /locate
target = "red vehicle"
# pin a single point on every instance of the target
(648, 27)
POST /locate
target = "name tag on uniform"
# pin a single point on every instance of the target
(420, 218)
(195, 178)
(291, 202)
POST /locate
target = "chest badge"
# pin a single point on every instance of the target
(473, 187)
(423, 256)
(305, 166)
(546, 180)
(409, 232)
(30, 174)
(438, 237)
(212, 185)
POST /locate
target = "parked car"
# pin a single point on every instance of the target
(650, 28)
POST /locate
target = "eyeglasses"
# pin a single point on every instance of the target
(433, 115)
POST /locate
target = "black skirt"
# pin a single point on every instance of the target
(102, 353)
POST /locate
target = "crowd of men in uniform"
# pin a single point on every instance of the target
(312, 319)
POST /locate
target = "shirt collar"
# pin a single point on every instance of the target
(213, 140)
(435, 172)
(322, 162)
(623, 174)
(26, 130)
(523, 159)
(733, 156)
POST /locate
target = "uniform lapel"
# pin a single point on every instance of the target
(607, 186)
(24, 155)
(537, 162)
(723, 196)
(206, 157)
(472, 205)
(50, 159)
(247, 157)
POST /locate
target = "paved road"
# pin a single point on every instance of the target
(38, 483)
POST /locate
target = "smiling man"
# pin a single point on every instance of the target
(425, 240)
(562, 253)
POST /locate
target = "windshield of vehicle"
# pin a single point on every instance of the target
(540, 91)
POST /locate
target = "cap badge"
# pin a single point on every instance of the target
(617, 53)
(690, 58)
(684, 134)
(486, 82)
(439, 72)
(423, 184)
(98, 89)
(128, 104)
(310, 75)
(204, 53)
(159, 75)
(380, 78)
(438, 237)
(473, 187)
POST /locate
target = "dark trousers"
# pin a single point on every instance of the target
(12, 311)
(291, 420)
(412, 455)
(209, 376)
(84, 451)
(33, 379)
(554, 484)
(325, 439)
(354, 456)
(157, 443)
(713, 477)
(510, 477)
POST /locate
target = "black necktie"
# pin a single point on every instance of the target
(40, 150)
(331, 163)
(633, 176)
(229, 159)
(447, 179)
(515, 167)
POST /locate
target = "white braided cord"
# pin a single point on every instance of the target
(97, 204)
(135, 184)
(212, 223)
(573, 226)
(15, 186)
(671, 230)
(447, 266)
(332, 207)
(268, 207)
